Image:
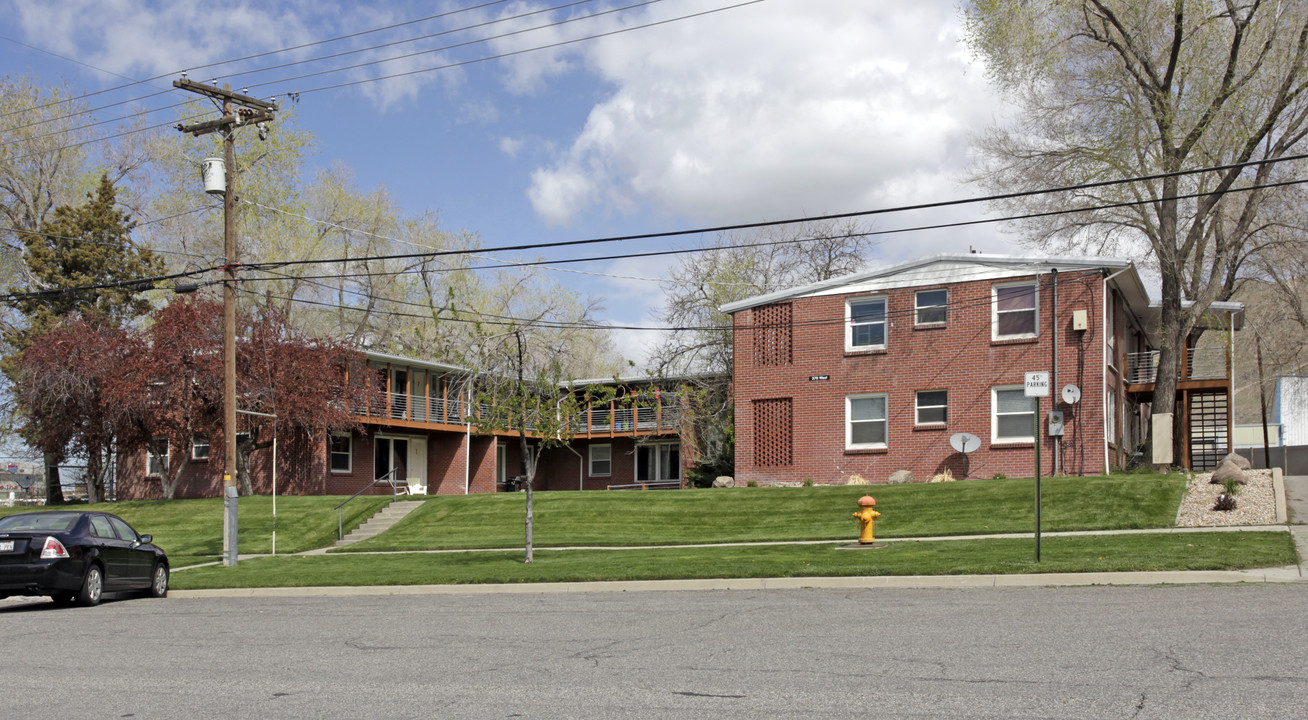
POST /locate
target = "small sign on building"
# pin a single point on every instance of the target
(1037, 384)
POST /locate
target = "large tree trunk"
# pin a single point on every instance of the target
(1171, 332)
(54, 490)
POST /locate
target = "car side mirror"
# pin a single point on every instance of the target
(147, 539)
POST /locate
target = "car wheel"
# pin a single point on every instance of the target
(63, 598)
(92, 586)
(159, 581)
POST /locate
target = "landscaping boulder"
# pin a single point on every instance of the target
(900, 476)
(1238, 460)
(1228, 471)
(724, 481)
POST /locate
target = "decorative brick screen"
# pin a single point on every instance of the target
(772, 433)
(772, 335)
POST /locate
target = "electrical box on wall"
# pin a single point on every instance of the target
(1055, 423)
(1080, 320)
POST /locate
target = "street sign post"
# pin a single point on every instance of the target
(1036, 386)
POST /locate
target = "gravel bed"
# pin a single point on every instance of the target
(1255, 503)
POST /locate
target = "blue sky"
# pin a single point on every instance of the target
(771, 110)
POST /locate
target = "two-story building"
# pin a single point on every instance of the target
(421, 429)
(922, 366)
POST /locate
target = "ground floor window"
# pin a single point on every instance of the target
(865, 421)
(1013, 415)
(156, 463)
(658, 461)
(200, 447)
(341, 446)
(601, 460)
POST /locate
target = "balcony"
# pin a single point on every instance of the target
(1204, 367)
(605, 420)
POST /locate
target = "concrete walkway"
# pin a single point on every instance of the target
(1294, 499)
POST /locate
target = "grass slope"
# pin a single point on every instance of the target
(758, 514)
(190, 529)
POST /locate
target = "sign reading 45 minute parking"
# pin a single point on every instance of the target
(1037, 384)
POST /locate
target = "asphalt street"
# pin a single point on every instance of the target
(1103, 652)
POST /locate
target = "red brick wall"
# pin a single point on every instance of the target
(959, 357)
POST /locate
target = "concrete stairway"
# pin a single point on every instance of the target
(380, 522)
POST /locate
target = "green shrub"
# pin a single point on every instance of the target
(752, 483)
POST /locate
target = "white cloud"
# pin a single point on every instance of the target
(510, 146)
(781, 109)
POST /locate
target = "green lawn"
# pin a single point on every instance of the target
(970, 507)
(190, 530)
(1106, 553)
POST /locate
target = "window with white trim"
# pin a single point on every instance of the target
(1015, 310)
(865, 421)
(932, 407)
(341, 449)
(601, 460)
(865, 323)
(200, 447)
(157, 456)
(1012, 415)
(930, 307)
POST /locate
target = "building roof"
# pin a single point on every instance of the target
(951, 268)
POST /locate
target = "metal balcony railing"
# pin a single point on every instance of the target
(1206, 363)
(596, 419)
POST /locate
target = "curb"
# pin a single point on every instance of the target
(1288, 574)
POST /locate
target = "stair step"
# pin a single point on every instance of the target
(383, 520)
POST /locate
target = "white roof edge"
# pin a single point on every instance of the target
(643, 378)
(890, 270)
(428, 364)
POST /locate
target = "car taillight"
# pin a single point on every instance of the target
(53, 550)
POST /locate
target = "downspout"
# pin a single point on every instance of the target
(1103, 366)
(467, 450)
(1053, 374)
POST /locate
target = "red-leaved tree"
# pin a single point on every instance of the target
(63, 382)
(308, 384)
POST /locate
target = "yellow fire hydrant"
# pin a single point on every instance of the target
(866, 515)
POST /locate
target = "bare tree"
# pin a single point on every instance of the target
(1113, 89)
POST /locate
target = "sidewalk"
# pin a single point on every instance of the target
(1294, 497)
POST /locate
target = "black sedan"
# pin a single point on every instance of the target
(77, 555)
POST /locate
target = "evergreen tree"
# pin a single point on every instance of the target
(82, 246)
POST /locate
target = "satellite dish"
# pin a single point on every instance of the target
(964, 442)
(1071, 394)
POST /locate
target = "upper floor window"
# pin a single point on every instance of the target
(930, 307)
(1015, 310)
(865, 425)
(865, 327)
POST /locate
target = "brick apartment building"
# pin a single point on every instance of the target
(875, 372)
(421, 429)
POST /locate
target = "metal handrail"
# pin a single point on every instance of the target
(340, 514)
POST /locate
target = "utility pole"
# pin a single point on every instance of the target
(238, 109)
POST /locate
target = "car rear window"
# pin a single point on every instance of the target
(53, 522)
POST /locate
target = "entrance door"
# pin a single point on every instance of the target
(417, 466)
(658, 461)
(391, 458)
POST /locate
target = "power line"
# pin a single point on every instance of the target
(819, 218)
(324, 72)
(248, 57)
(525, 51)
(396, 75)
